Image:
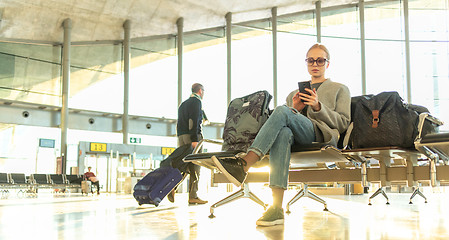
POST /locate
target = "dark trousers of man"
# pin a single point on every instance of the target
(193, 168)
(97, 184)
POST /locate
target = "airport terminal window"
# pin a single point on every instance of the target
(296, 33)
(20, 151)
(204, 61)
(153, 78)
(96, 79)
(252, 61)
(429, 44)
(341, 34)
(30, 73)
(385, 48)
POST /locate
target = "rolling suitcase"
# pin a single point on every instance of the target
(156, 185)
(86, 187)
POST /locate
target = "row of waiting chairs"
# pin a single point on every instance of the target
(31, 183)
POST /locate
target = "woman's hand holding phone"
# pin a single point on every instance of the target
(308, 96)
(302, 89)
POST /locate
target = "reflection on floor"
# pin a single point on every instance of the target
(115, 216)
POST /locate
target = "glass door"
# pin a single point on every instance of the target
(124, 170)
(100, 164)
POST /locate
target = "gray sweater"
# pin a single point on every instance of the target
(335, 114)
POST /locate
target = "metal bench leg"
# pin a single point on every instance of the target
(318, 199)
(380, 190)
(256, 199)
(299, 195)
(305, 193)
(417, 191)
(243, 192)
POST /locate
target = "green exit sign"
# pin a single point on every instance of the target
(135, 140)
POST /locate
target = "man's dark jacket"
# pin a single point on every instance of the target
(190, 111)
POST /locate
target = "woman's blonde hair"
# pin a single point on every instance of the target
(322, 47)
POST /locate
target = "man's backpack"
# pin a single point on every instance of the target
(385, 120)
(244, 118)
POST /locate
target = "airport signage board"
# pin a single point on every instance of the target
(46, 143)
(135, 140)
(167, 150)
(98, 147)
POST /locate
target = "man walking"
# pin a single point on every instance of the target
(190, 118)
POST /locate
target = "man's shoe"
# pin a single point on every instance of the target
(273, 216)
(171, 196)
(197, 200)
(232, 168)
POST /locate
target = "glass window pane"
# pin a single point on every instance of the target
(343, 22)
(435, 26)
(302, 23)
(292, 49)
(252, 61)
(30, 73)
(383, 20)
(385, 60)
(204, 61)
(385, 67)
(429, 49)
(341, 35)
(21, 153)
(154, 78)
(296, 34)
(345, 63)
(96, 82)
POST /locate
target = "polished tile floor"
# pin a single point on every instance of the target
(115, 216)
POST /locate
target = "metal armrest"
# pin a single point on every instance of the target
(422, 118)
(204, 159)
(348, 135)
(201, 142)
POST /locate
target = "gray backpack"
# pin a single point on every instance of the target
(245, 117)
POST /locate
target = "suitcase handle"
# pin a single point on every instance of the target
(166, 185)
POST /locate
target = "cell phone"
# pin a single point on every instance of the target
(303, 85)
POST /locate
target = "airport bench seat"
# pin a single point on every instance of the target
(320, 162)
(4, 179)
(5, 183)
(315, 153)
(74, 180)
(19, 179)
(57, 179)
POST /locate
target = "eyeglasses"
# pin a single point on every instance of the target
(319, 61)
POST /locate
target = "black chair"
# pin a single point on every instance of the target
(18, 179)
(74, 179)
(40, 180)
(59, 182)
(57, 179)
(4, 179)
(5, 183)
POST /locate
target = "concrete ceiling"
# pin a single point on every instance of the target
(92, 20)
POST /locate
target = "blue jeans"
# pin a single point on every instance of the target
(283, 128)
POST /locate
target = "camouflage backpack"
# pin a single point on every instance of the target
(245, 117)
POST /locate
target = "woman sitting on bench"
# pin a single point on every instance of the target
(305, 119)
